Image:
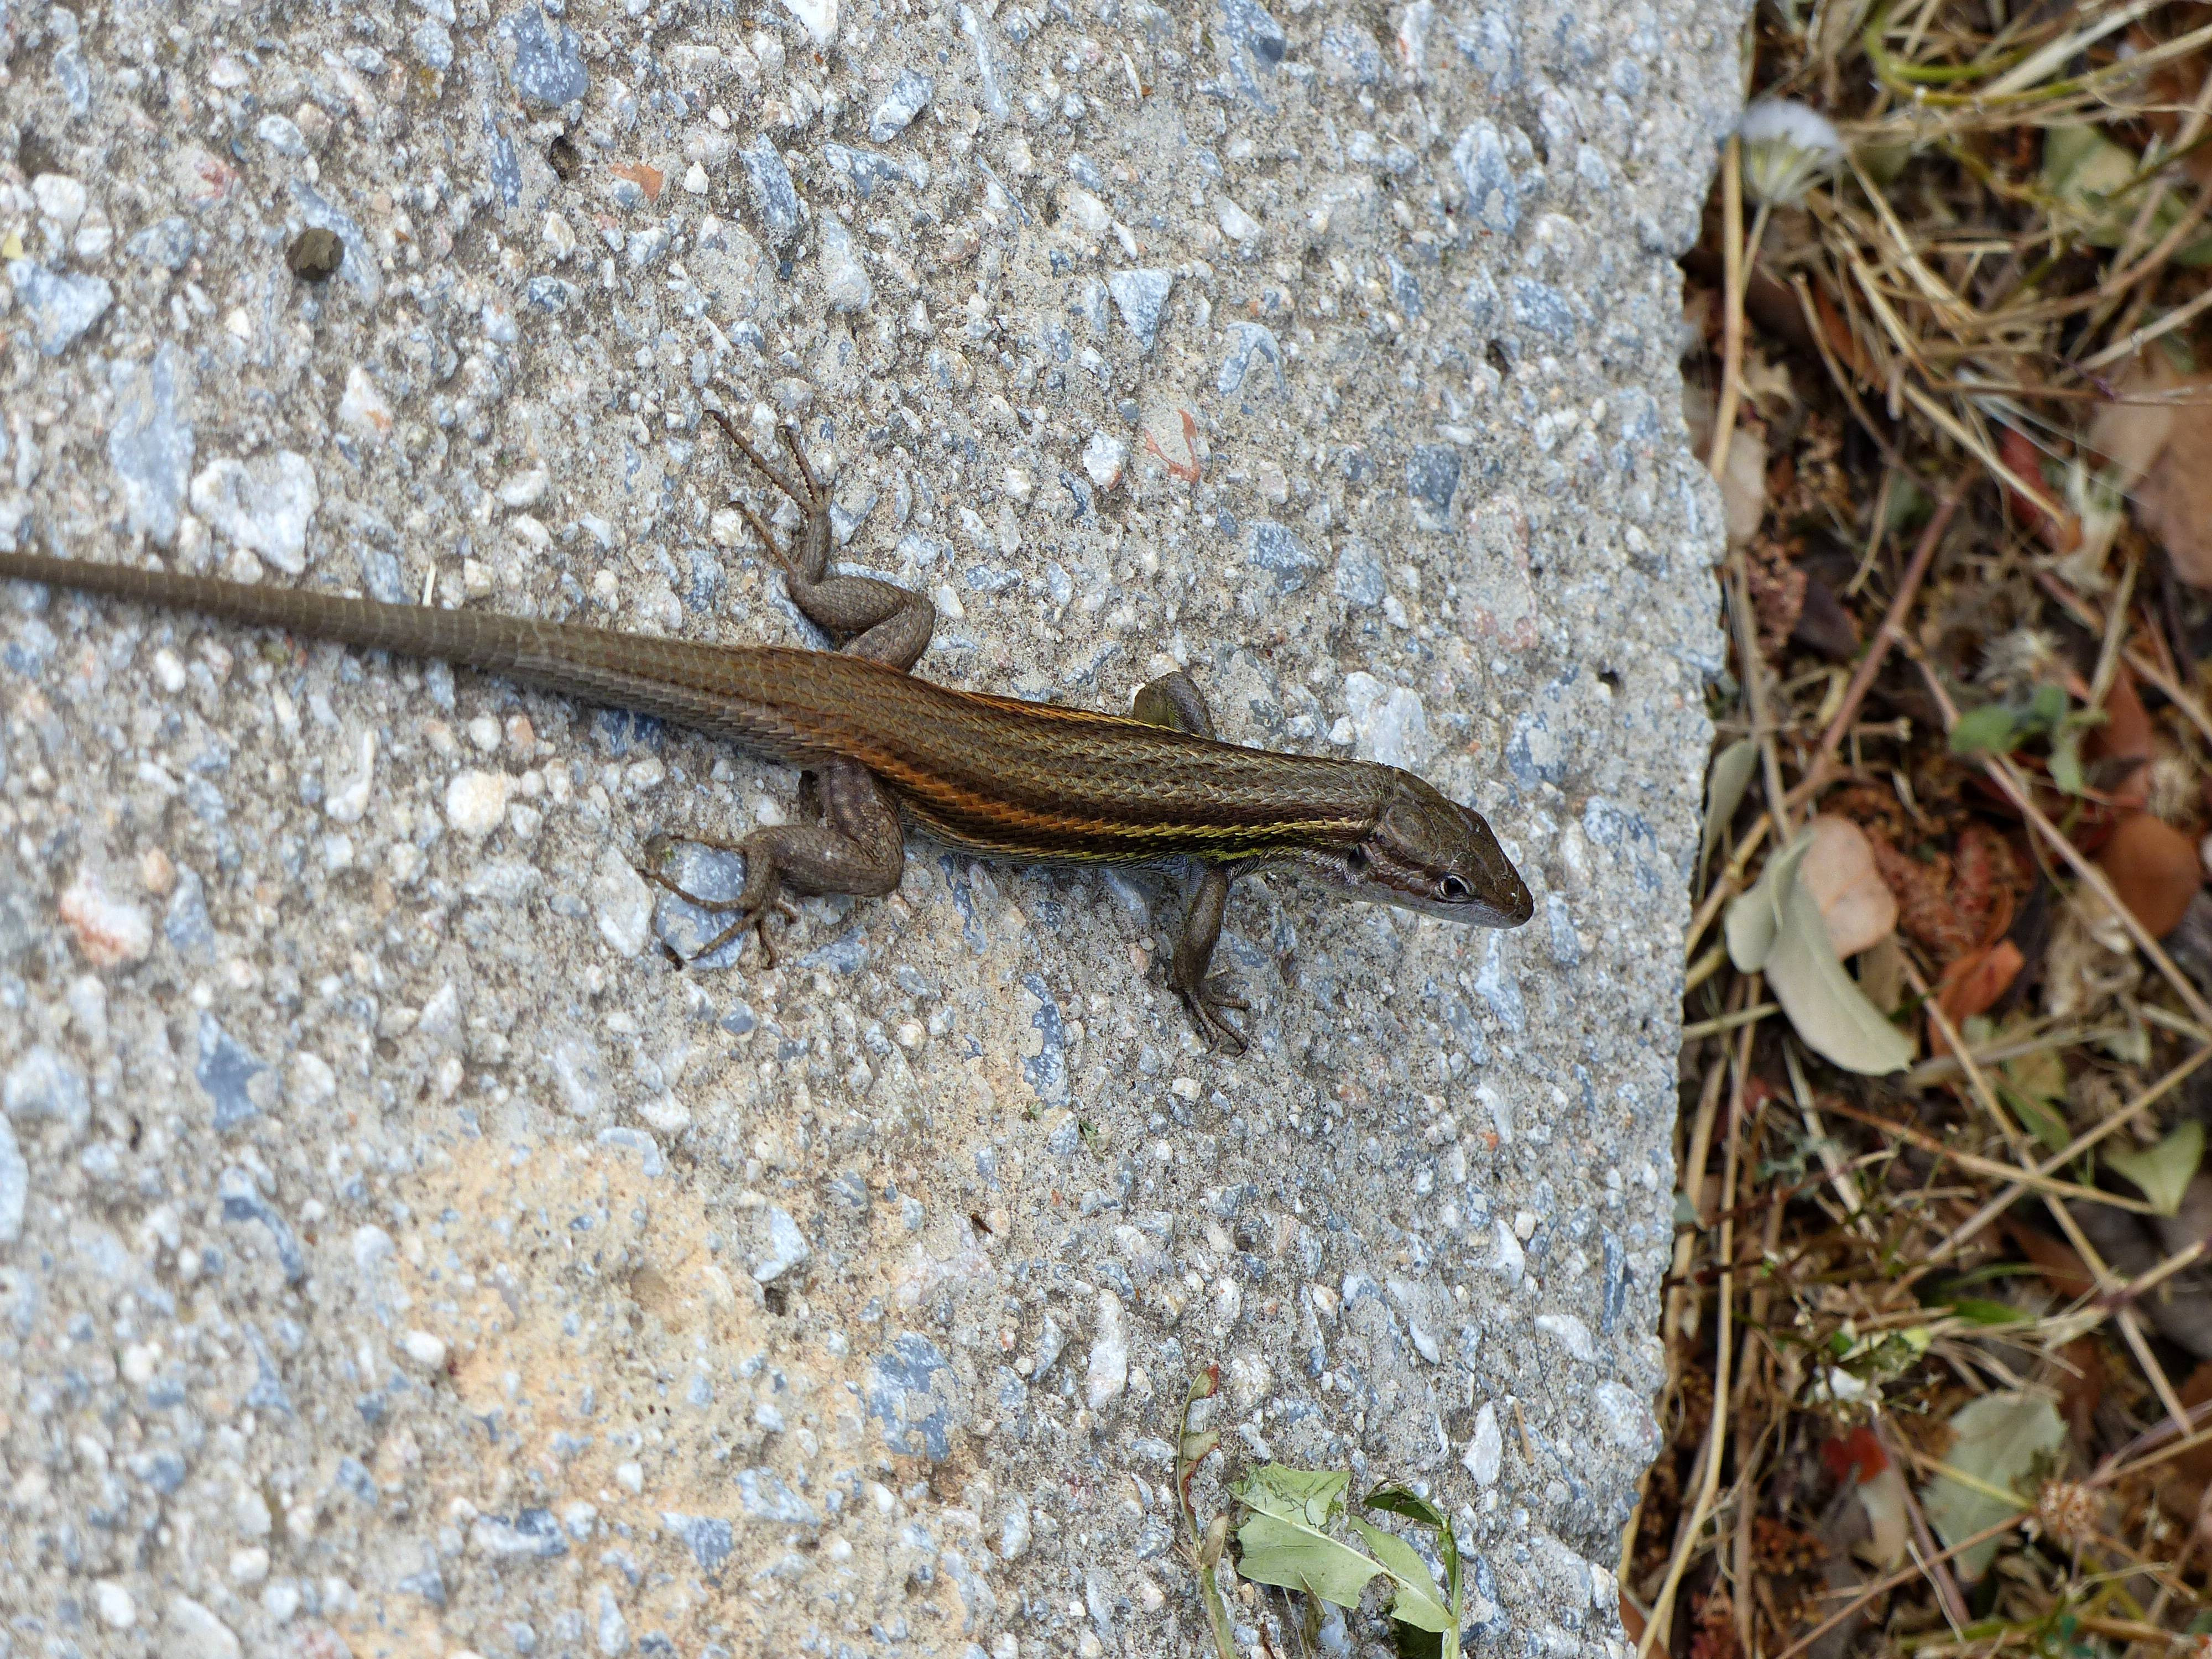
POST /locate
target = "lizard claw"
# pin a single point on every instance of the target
(750, 916)
(1208, 1002)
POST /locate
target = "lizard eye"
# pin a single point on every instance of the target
(1453, 890)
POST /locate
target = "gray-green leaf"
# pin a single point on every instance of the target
(1285, 1540)
(1417, 1603)
(1724, 789)
(1778, 928)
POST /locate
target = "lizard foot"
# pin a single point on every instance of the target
(748, 910)
(1208, 1002)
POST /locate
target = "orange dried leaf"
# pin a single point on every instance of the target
(2154, 869)
(1973, 985)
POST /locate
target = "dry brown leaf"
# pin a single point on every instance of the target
(1972, 985)
(2173, 502)
(2154, 869)
(1743, 484)
(2118, 753)
(2130, 434)
(1840, 871)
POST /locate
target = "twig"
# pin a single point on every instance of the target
(2153, 672)
(1938, 1570)
(1824, 766)
(1937, 1147)
(1866, 1593)
(1732, 287)
(2081, 1144)
(1715, 1447)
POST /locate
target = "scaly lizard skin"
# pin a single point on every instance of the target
(995, 776)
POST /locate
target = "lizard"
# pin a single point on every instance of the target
(882, 749)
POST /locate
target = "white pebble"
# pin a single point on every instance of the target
(60, 199)
(476, 801)
(114, 1604)
(109, 932)
(1108, 1372)
(424, 1350)
(623, 904)
(1102, 458)
(1486, 1452)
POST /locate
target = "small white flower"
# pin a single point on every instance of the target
(1786, 147)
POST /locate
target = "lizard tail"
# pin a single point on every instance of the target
(728, 690)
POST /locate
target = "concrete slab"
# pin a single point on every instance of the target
(397, 1255)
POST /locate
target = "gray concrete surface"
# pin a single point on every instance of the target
(397, 1255)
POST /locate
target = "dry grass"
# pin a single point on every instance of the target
(1915, 359)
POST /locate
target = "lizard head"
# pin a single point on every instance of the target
(1428, 853)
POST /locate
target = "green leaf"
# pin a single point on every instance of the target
(1417, 1603)
(1725, 784)
(2001, 1443)
(1285, 1541)
(1403, 1500)
(2097, 188)
(1778, 928)
(1756, 918)
(1416, 1641)
(2046, 1125)
(1982, 1310)
(1995, 728)
(2164, 1171)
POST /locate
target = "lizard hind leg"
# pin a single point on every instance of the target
(857, 847)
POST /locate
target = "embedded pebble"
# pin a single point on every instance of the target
(111, 931)
(845, 283)
(113, 1604)
(787, 1248)
(820, 17)
(15, 1185)
(623, 904)
(63, 306)
(774, 197)
(1237, 225)
(263, 505)
(1102, 458)
(476, 801)
(908, 96)
(424, 1350)
(1485, 1448)
(1141, 297)
(1390, 724)
(196, 1633)
(549, 61)
(149, 441)
(363, 409)
(47, 1085)
(59, 197)
(1107, 1373)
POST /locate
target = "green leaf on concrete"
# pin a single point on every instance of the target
(1285, 1540)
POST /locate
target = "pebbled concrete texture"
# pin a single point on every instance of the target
(397, 1256)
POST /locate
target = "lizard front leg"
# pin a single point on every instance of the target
(868, 617)
(1173, 702)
